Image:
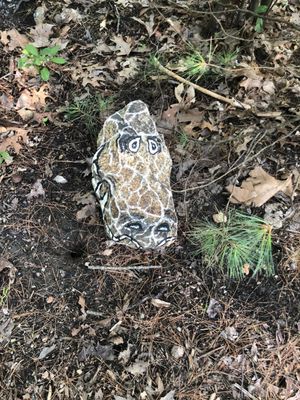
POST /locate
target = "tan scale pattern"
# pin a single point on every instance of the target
(131, 178)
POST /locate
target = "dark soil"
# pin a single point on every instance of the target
(71, 332)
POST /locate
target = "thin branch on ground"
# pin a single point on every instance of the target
(123, 268)
(239, 165)
(234, 10)
(233, 102)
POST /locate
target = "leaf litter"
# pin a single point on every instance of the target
(162, 348)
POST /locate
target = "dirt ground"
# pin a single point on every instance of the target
(174, 330)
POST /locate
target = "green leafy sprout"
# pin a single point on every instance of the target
(4, 155)
(39, 58)
(241, 244)
(259, 25)
(4, 295)
(88, 110)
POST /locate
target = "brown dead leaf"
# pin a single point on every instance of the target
(129, 68)
(123, 46)
(33, 99)
(81, 302)
(191, 115)
(13, 39)
(185, 96)
(5, 264)
(148, 25)
(259, 188)
(41, 34)
(94, 74)
(12, 138)
(160, 303)
(36, 191)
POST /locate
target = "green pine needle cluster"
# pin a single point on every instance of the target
(195, 65)
(88, 111)
(241, 245)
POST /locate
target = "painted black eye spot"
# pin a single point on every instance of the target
(134, 226)
(128, 142)
(154, 145)
(162, 228)
(134, 145)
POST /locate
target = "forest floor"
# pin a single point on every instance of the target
(177, 331)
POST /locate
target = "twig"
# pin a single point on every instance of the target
(126, 268)
(239, 165)
(232, 102)
(244, 391)
(232, 10)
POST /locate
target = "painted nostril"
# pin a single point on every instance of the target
(162, 228)
(134, 226)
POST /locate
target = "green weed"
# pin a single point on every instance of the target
(4, 155)
(39, 58)
(241, 244)
(259, 25)
(227, 58)
(4, 295)
(88, 111)
(183, 138)
(195, 65)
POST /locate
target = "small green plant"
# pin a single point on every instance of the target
(183, 138)
(259, 25)
(227, 58)
(4, 295)
(39, 58)
(4, 155)
(88, 110)
(241, 244)
(194, 66)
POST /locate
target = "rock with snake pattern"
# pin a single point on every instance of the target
(131, 178)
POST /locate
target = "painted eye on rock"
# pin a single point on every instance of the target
(153, 146)
(162, 228)
(134, 226)
(134, 145)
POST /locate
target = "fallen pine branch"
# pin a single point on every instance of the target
(232, 102)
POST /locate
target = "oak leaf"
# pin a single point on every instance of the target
(259, 188)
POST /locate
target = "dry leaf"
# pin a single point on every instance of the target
(259, 188)
(169, 396)
(246, 269)
(160, 303)
(81, 302)
(40, 34)
(148, 25)
(46, 351)
(13, 39)
(130, 68)
(11, 138)
(243, 146)
(33, 99)
(6, 330)
(137, 368)
(123, 47)
(214, 308)
(12, 269)
(36, 191)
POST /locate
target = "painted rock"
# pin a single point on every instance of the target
(131, 178)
